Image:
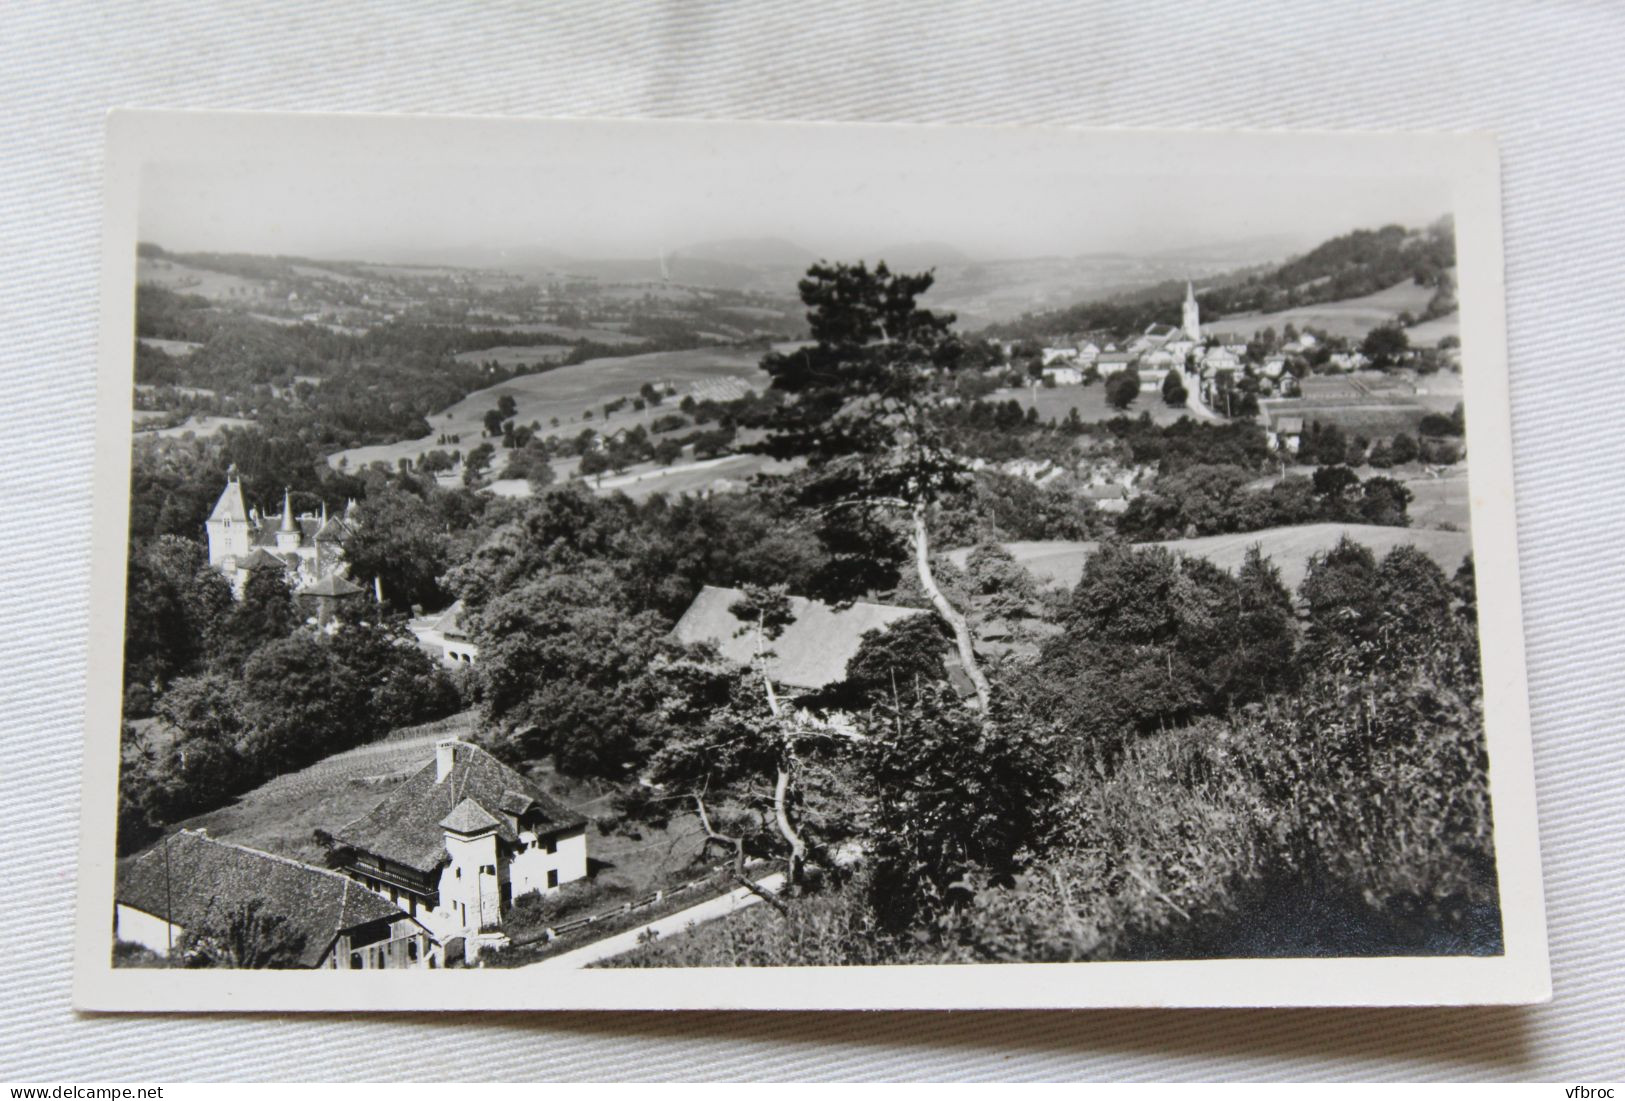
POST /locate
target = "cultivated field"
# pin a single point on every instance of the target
(175, 348)
(1442, 502)
(518, 355)
(1061, 563)
(1350, 317)
(1429, 333)
(180, 277)
(1090, 402)
(569, 392)
(195, 426)
(565, 332)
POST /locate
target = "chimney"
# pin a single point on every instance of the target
(445, 756)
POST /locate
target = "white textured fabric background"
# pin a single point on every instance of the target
(1545, 77)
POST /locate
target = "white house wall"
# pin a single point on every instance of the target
(148, 930)
(528, 871)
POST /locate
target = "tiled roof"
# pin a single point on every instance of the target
(192, 879)
(450, 621)
(813, 650)
(331, 530)
(331, 585)
(469, 817)
(230, 505)
(405, 826)
(262, 559)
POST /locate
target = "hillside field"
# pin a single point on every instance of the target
(518, 355)
(1350, 317)
(1090, 402)
(1061, 563)
(567, 393)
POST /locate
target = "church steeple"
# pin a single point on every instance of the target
(1192, 321)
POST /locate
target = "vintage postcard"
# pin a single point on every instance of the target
(568, 564)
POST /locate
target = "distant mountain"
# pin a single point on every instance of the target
(920, 255)
(751, 252)
(1265, 248)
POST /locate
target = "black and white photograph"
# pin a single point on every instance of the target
(705, 565)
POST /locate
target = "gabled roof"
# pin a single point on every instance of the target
(332, 530)
(406, 825)
(450, 621)
(813, 650)
(262, 559)
(192, 879)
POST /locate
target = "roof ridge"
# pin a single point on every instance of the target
(202, 836)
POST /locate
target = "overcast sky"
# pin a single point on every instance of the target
(631, 191)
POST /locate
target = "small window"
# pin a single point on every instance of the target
(488, 869)
(355, 961)
(552, 845)
(553, 878)
(412, 949)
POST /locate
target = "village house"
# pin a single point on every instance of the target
(1285, 433)
(1110, 363)
(191, 882)
(1058, 355)
(1064, 375)
(444, 636)
(459, 840)
(1107, 498)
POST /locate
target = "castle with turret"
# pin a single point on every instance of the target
(308, 546)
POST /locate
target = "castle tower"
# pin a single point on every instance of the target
(228, 526)
(288, 535)
(1192, 323)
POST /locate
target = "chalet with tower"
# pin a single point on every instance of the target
(459, 840)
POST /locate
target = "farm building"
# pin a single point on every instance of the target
(192, 882)
(459, 840)
(1285, 432)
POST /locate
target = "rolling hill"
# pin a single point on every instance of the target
(567, 393)
(1061, 563)
(1351, 318)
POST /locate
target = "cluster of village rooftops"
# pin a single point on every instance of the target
(1208, 365)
